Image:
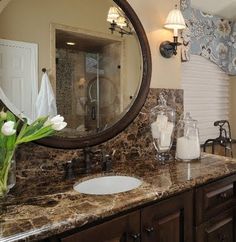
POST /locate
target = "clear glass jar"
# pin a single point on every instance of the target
(162, 121)
(187, 142)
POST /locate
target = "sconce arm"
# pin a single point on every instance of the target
(168, 48)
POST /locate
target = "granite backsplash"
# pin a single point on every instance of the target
(134, 142)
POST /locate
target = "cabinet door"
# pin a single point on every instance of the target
(169, 220)
(122, 229)
(218, 229)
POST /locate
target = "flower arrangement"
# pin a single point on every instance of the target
(10, 138)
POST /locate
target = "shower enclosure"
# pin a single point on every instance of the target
(88, 86)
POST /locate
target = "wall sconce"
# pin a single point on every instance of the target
(118, 21)
(175, 21)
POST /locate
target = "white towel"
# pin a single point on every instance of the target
(46, 102)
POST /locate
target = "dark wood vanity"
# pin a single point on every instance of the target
(202, 214)
(214, 213)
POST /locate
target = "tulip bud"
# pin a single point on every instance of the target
(8, 128)
(59, 126)
(56, 122)
(3, 115)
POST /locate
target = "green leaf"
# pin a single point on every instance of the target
(38, 135)
(10, 142)
(40, 119)
(17, 123)
(2, 157)
(1, 124)
(22, 131)
(35, 126)
(3, 141)
(34, 133)
(11, 116)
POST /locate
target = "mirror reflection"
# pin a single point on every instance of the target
(92, 72)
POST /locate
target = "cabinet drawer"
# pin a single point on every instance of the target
(219, 229)
(212, 198)
(218, 195)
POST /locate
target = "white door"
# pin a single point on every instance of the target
(18, 75)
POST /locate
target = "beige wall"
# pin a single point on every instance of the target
(152, 13)
(29, 21)
(167, 72)
(3, 4)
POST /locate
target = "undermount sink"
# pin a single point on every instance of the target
(106, 185)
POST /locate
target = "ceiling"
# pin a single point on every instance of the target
(224, 8)
(82, 42)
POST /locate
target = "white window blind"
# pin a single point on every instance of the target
(206, 94)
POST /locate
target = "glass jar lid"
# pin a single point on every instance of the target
(162, 105)
(188, 121)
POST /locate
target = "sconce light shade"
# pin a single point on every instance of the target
(175, 21)
(113, 14)
(121, 22)
(118, 21)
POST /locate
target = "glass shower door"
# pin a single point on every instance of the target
(93, 76)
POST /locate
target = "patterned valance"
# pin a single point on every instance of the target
(210, 36)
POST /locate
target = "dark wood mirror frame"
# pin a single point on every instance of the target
(91, 140)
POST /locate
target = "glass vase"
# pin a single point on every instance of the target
(7, 172)
(11, 181)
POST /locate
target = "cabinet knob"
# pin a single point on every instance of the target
(223, 195)
(135, 237)
(222, 237)
(149, 230)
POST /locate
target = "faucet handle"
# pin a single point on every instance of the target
(69, 174)
(89, 156)
(106, 162)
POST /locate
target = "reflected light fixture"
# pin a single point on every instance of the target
(118, 21)
(175, 21)
(70, 43)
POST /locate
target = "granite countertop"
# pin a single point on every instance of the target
(37, 209)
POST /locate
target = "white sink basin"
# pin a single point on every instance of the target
(107, 185)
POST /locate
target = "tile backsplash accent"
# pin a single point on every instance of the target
(134, 142)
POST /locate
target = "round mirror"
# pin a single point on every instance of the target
(88, 61)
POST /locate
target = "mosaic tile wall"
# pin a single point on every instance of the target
(134, 142)
(64, 77)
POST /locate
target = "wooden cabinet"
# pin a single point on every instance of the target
(122, 229)
(203, 214)
(218, 229)
(169, 220)
(215, 211)
(213, 198)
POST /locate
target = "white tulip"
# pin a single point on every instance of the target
(57, 119)
(59, 126)
(8, 128)
(57, 123)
